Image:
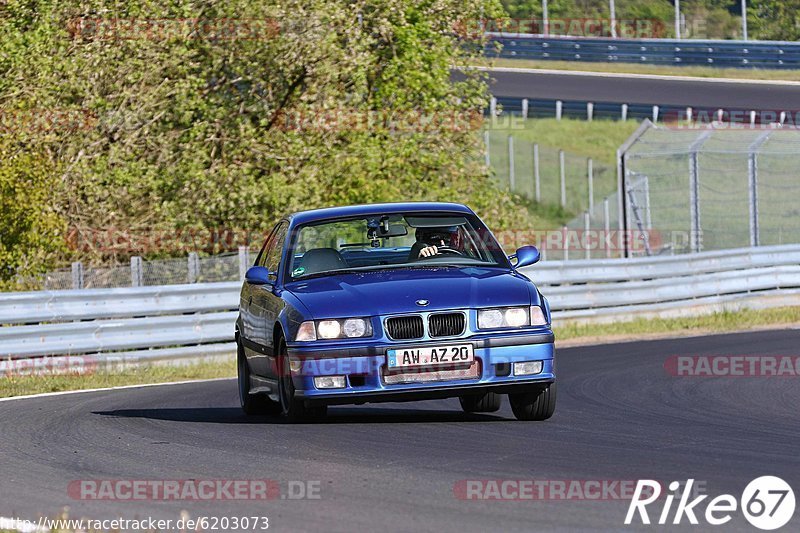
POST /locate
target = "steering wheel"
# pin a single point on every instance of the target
(442, 250)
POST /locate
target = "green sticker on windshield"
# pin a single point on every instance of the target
(298, 271)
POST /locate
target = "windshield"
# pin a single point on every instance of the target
(393, 241)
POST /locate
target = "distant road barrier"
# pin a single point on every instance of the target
(713, 53)
(180, 322)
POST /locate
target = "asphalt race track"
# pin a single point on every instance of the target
(633, 90)
(393, 467)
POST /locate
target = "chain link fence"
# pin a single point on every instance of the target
(713, 189)
(191, 269)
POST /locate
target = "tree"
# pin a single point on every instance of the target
(205, 114)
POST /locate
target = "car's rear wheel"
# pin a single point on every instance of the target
(488, 402)
(252, 404)
(538, 404)
(293, 408)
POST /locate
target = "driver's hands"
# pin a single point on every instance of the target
(429, 251)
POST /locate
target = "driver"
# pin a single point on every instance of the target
(430, 241)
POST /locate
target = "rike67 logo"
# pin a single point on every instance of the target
(767, 503)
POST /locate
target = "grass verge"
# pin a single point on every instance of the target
(36, 384)
(642, 328)
(661, 70)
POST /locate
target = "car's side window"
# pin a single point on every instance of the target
(272, 258)
(261, 258)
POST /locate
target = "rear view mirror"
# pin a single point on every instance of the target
(393, 230)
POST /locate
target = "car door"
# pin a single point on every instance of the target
(252, 315)
(267, 303)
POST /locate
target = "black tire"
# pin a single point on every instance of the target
(488, 402)
(537, 404)
(252, 404)
(294, 409)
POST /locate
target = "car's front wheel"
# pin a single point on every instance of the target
(292, 407)
(538, 404)
(252, 404)
(488, 402)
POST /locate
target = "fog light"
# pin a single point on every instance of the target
(329, 382)
(527, 368)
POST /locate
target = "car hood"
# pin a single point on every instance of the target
(396, 291)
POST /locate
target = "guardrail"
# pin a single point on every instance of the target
(179, 322)
(739, 54)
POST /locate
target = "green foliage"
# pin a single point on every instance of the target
(775, 19)
(32, 235)
(202, 132)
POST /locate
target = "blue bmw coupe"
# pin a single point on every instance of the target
(392, 302)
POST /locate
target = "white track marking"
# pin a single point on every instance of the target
(121, 387)
(623, 75)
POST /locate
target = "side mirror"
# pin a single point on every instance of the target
(527, 255)
(258, 275)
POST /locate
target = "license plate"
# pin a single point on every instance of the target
(430, 355)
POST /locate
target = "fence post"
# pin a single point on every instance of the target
(624, 112)
(565, 242)
(606, 226)
(77, 275)
(587, 227)
(563, 178)
(589, 111)
(244, 261)
(752, 174)
(694, 203)
(590, 178)
(511, 176)
(137, 277)
(536, 182)
(655, 114)
(694, 191)
(524, 108)
(193, 267)
(486, 144)
(559, 107)
(493, 107)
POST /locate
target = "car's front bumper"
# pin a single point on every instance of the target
(365, 368)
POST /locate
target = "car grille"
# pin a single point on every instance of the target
(446, 324)
(405, 327)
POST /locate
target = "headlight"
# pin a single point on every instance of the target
(511, 317)
(334, 329)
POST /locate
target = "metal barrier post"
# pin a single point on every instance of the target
(77, 275)
(524, 108)
(511, 176)
(590, 178)
(587, 227)
(486, 144)
(193, 267)
(752, 183)
(606, 226)
(536, 182)
(137, 277)
(559, 108)
(563, 178)
(244, 261)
